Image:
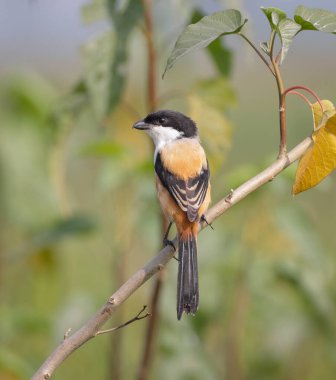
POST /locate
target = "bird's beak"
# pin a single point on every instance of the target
(141, 125)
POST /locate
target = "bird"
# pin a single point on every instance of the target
(183, 189)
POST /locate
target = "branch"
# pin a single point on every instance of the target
(257, 181)
(90, 329)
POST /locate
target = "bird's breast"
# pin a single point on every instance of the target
(185, 158)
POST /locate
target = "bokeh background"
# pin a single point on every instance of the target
(78, 207)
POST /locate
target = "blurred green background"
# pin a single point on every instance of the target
(78, 206)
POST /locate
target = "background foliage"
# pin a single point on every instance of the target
(79, 213)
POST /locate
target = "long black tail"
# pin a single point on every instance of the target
(187, 279)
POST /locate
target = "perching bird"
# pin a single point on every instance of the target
(183, 188)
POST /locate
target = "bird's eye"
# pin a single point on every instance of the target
(162, 120)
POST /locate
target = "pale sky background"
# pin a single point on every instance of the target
(44, 36)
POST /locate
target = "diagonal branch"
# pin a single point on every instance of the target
(90, 329)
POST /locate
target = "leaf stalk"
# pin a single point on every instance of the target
(258, 52)
(291, 90)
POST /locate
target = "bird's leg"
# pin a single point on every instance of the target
(166, 241)
(203, 219)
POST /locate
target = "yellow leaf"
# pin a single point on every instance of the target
(321, 118)
(215, 128)
(319, 160)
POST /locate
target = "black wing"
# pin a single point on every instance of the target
(190, 194)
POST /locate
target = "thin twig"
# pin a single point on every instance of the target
(90, 328)
(138, 317)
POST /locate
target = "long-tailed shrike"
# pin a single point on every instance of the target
(183, 188)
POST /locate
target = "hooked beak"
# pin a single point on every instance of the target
(141, 125)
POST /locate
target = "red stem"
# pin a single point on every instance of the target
(290, 89)
(301, 95)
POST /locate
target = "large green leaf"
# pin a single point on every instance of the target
(221, 57)
(287, 30)
(274, 16)
(98, 58)
(124, 22)
(106, 57)
(219, 53)
(315, 19)
(201, 34)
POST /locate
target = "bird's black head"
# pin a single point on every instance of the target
(169, 119)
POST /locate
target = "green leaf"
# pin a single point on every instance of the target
(124, 22)
(98, 57)
(287, 30)
(274, 16)
(219, 53)
(264, 46)
(221, 56)
(106, 58)
(315, 19)
(201, 34)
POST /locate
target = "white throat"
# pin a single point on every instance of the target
(162, 136)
